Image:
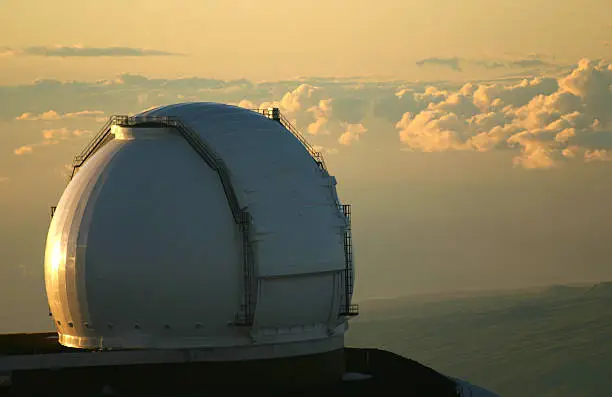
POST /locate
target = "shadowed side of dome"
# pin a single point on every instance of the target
(298, 224)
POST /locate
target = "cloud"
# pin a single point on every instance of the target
(519, 63)
(50, 115)
(23, 150)
(496, 96)
(82, 51)
(548, 121)
(545, 121)
(245, 103)
(126, 93)
(303, 97)
(393, 105)
(322, 113)
(53, 115)
(598, 155)
(312, 109)
(325, 150)
(58, 133)
(307, 106)
(452, 63)
(350, 109)
(61, 134)
(51, 136)
(432, 131)
(459, 64)
(353, 133)
(7, 52)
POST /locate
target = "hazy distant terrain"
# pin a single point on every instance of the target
(545, 342)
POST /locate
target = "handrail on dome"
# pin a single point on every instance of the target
(93, 145)
(271, 113)
(275, 114)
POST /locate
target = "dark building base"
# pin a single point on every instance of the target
(316, 375)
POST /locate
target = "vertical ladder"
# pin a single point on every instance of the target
(348, 309)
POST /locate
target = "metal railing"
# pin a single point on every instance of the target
(94, 143)
(275, 114)
(350, 310)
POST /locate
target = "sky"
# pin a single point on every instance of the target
(473, 139)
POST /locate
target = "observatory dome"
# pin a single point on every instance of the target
(200, 225)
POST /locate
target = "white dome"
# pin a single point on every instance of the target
(144, 250)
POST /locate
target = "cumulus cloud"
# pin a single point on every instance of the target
(245, 103)
(313, 110)
(432, 131)
(321, 111)
(304, 97)
(546, 121)
(82, 51)
(496, 96)
(300, 105)
(352, 133)
(549, 121)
